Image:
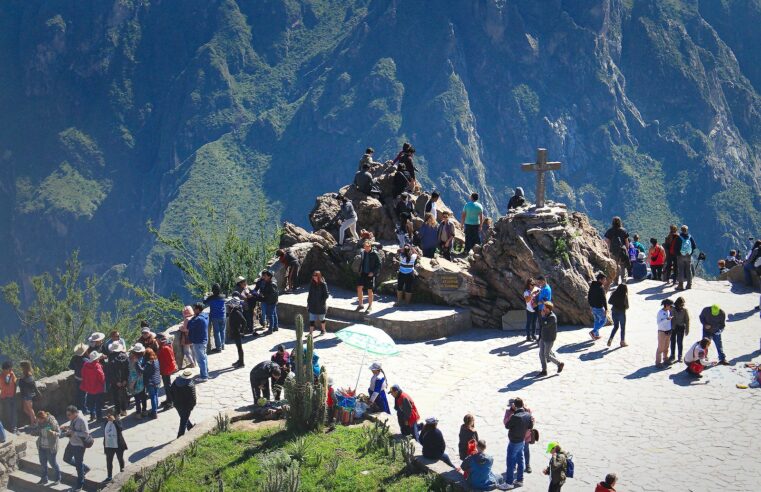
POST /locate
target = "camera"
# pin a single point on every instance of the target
(701, 256)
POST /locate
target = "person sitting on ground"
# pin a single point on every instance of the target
(377, 390)
(478, 466)
(733, 259)
(473, 218)
(446, 235)
(317, 301)
(517, 200)
(292, 266)
(260, 379)
(433, 443)
(185, 399)
(429, 236)
(607, 485)
(714, 319)
(696, 358)
(236, 326)
(557, 468)
(367, 158)
(406, 412)
(657, 257)
(468, 437)
(638, 245)
(369, 269)
(406, 277)
(281, 358)
(639, 267)
(431, 206)
(347, 220)
(722, 266)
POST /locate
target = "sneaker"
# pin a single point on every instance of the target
(517, 484)
(201, 380)
(528, 469)
(679, 359)
(543, 373)
(592, 335)
(108, 479)
(624, 344)
(610, 342)
(508, 486)
(42, 481)
(369, 308)
(359, 307)
(560, 367)
(55, 484)
(724, 363)
(528, 339)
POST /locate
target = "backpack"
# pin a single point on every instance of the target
(686, 248)
(569, 466)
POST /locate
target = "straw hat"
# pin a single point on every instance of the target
(188, 373)
(94, 355)
(137, 348)
(80, 349)
(96, 337)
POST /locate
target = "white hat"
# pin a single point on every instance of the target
(94, 355)
(188, 373)
(138, 348)
(431, 420)
(375, 366)
(145, 330)
(641, 256)
(96, 337)
(115, 347)
(240, 279)
(80, 349)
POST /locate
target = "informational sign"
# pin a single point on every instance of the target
(449, 281)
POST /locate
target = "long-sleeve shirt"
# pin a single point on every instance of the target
(79, 430)
(664, 320)
(713, 324)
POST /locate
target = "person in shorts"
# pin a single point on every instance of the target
(369, 269)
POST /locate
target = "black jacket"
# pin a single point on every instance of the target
(269, 292)
(619, 301)
(117, 369)
(317, 300)
(596, 295)
(119, 436)
(184, 394)
(515, 202)
(375, 263)
(262, 371)
(401, 182)
(433, 443)
(236, 322)
(518, 424)
(363, 180)
(548, 327)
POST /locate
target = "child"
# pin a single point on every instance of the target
(8, 396)
(113, 444)
(331, 403)
(167, 367)
(664, 333)
(468, 437)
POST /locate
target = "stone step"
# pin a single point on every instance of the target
(23, 481)
(408, 322)
(31, 465)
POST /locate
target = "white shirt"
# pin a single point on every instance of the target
(433, 211)
(372, 385)
(695, 353)
(664, 320)
(527, 293)
(110, 435)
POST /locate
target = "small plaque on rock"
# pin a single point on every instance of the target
(449, 281)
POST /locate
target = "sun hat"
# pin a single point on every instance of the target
(188, 373)
(137, 348)
(94, 355)
(96, 337)
(115, 347)
(80, 349)
(552, 445)
(146, 330)
(240, 279)
(375, 366)
(431, 420)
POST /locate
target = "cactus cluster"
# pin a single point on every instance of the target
(306, 394)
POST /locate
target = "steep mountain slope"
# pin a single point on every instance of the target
(118, 112)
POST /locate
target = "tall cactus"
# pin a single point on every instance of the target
(306, 396)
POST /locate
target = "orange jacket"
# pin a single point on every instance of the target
(8, 390)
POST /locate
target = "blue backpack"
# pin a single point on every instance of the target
(569, 466)
(686, 248)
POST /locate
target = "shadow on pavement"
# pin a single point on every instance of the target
(745, 358)
(644, 372)
(514, 349)
(138, 455)
(218, 372)
(741, 316)
(525, 381)
(572, 348)
(684, 379)
(597, 354)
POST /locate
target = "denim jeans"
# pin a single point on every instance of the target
(75, 456)
(472, 236)
(747, 268)
(527, 454)
(95, 405)
(201, 359)
(619, 320)
(716, 337)
(153, 394)
(677, 342)
(48, 456)
(218, 324)
(531, 317)
(270, 314)
(514, 457)
(600, 320)
(10, 413)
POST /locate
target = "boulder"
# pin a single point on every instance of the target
(737, 276)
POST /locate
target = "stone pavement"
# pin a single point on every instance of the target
(658, 430)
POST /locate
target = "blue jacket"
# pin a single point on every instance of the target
(480, 476)
(198, 329)
(545, 294)
(216, 306)
(151, 372)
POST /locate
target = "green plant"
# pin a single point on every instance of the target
(283, 474)
(377, 437)
(298, 449)
(222, 423)
(306, 394)
(406, 448)
(560, 250)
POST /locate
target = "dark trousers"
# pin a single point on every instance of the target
(446, 251)
(670, 268)
(531, 317)
(110, 453)
(119, 398)
(75, 456)
(167, 380)
(95, 405)
(554, 487)
(656, 272)
(185, 423)
(677, 340)
(239, 347)
(472, 237)
(619, 320)
(527, 454)
(261, 388)
(140, 403)
(10, 413)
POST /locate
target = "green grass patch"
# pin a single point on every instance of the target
(244, 460)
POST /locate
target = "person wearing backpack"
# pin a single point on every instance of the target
(558, 467)
(669, 245)
(617, 240)
(685, 245)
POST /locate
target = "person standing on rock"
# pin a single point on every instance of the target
(517, 200)
(405, 280)
(669, 245)
(446, 234)
(617, 240)
(347, 220)
(750, 263)
(184, 396)
(714, 320)
(664, 332)
(684, 246)
(400, 181)
(317, 301)
(596, 300)
(431, 205)
(529, 297)
(680, 326)
(369, 269)
(657, 256)
(409, 166)
(548, 332)
(406, 412)
(405, 211)
(429, 236)
(619, 303)
(472, 217)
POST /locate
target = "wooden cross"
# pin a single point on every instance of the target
(541, 166)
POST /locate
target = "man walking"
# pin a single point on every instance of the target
(74, 454)
(617, 240)
(369, 269)
(198, 333)
(596, 300)
(684, 247)
(472, 217)
(548, 329)
(183, 392)
(517, 426)
(713, 319)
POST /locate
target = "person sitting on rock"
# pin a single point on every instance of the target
(732, 260)
(429, 236)
(369, 269)
(405, 211)
(696, 358)
(260, 379)
(638, 245)
(292, 266)
(368, 159)
(431, 205)
(446, 235)
(347, 219)
(365, 183)
(406, 277)
(517, 200)
(478, 466)
(722, 266)
(432, 440)
(401, 181)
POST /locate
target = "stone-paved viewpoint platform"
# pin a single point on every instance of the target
(658, 429)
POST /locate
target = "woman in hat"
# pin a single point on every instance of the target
(95, 342)
(117, 377)
(184, 393)
(94, 385)
(664, 333)
(75, 364)
(135, 384)
(433, 442)
(377, 389)
(148, 339)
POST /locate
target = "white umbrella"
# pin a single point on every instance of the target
(369, 339)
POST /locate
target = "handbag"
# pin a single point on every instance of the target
(696, 367)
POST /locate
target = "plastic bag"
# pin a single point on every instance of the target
(360, 409)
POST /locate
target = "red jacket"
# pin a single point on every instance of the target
(414, 416)
(601, 487)
(167, 364)
(93, 378)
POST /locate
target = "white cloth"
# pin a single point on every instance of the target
(527, 293)
(351, 225)
(433, 211)
(664, 320)
(110, 436)
(696, 352)
(405, 265)
(373, 381)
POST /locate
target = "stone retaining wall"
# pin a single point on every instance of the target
(8, 460)
(56, 393)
